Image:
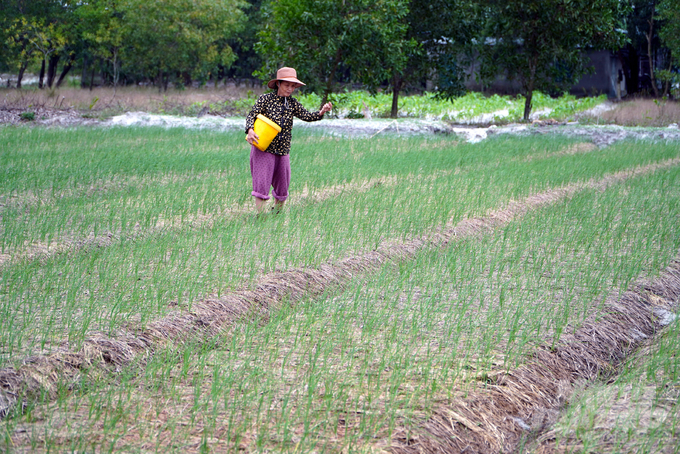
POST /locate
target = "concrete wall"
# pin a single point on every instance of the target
(606, 77)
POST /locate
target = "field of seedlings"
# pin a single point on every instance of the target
(417, 294)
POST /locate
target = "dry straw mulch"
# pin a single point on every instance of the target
(493, 419)
(521, 403)
(67, 106)
(643, 112)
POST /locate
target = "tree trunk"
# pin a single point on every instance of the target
(92, 76)
(667, 84)
(115, 71)
(527, 104)
(20, 76)
(331, 78)
(650, 36)
(634, 61)
(529, 96)
(186, 79)
(67, 67)
(83, 73)
(396, 88)
(529, 87)
(42, 74)
(52, 69)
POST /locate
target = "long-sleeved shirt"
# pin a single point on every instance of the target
(280, 110)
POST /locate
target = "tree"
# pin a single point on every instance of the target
(399, 50)
(328, 39)
(33, 37)
(540, 43)
(243, 44)
(103, 29)
(33, 29)
(64, 19)
(17, 53)
(669, 11)
(180, 38)
(8, 14)
(445, 30)
(651, 35)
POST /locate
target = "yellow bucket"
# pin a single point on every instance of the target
(266, 130)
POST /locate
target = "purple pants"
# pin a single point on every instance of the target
(269, 170)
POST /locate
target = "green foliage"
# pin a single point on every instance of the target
(672, 80)
(21, 21)
(324, 39)
(104, 30)
(352, 104)
(445, 29)
(540, 43)
(6, 56)
(399, 44)
(669, 12)
(27, 116)
(450, 77)
(39, 34)
(243, 43)
(180, 36)
(186, 38)
(32, 37)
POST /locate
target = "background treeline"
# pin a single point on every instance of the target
(398, 45)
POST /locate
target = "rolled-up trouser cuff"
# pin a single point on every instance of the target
(259, 196)
(280, 198)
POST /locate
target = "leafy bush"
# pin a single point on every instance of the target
(472, 106)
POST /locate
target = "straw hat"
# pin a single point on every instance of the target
(286, 74)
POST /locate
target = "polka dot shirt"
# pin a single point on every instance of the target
(281, 110)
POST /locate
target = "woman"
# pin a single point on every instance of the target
(271, 168)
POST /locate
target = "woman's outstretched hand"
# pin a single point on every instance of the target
(326, 108)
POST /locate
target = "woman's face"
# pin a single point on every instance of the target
(286, 88)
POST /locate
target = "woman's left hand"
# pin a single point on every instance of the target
(326, 108)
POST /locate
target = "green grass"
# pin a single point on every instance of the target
(463, 108)
(174, 227)
(354, 104)
(339, 371)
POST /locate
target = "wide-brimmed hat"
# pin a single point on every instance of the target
(286, 74)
